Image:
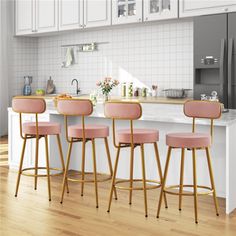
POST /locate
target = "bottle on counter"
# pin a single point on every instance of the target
(130, 90)
(123, 90)
(136, 92)
(144, 92)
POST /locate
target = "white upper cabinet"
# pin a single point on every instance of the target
(46, 15)
(97, 13)
(70, 14)
(126, 11)
(160, 9)
(24, 17)
(205, 7)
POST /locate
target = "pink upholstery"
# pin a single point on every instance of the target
(188, 140)
(140, 136)
(75, 107)
(202, 109)
(44, 128)
(28, 105)
(123, 110)
(91, 131)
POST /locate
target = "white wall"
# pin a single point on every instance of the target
(157, 53)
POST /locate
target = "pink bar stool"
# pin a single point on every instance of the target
(192, 141)
(83, 133)
(36, 130)
(132, 138)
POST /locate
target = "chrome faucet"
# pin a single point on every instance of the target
(77, 86)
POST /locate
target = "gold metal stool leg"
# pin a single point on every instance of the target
(95, 172)
(131, 173)
(144, 179)
(83, 167)
(212, 180)
(181, 179)
(114, 177)
(160, 170)
(61, 158)
(47, 166)
(20, 166)
(195, 184)
(109, 162)
(66, 170)
(36, 162)
(164, 181)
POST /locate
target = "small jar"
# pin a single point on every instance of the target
(144, 92)
(123, 90)
(136, 92)
(130, 90)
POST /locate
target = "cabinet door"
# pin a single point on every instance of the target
(205, 7)
(46, 15)
(97, 13)
(126, 11)
(24, 17)
(160, 9)
(70, 14)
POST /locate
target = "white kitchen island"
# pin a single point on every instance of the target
(164, 117)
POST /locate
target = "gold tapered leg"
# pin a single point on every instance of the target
(36, 162)
(95, 172)
(144, 179)
(195, 184)
(20, 166)
(160, 170)
(164, 181)
(212, 180)
(114, 177)
(109, 162)
(82, 168)
(47, 166)
(181, 179)
(131, 173)
(62, 159)
(66, 170)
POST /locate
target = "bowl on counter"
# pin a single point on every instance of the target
(176, 93)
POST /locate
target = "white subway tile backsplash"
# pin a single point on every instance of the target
(159, 54)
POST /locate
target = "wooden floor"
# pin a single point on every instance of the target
(31, 213)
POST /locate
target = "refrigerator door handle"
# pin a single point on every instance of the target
(222, 72)
(230, 71)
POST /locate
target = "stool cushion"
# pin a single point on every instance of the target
(91, 131)
(188, 140)
(44, 128)
(140, 136)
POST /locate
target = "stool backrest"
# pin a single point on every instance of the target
(123, 111)
(74, 107)
(28, 105)
(202, 109)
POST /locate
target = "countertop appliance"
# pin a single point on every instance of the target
(27, 85)
(214, 57)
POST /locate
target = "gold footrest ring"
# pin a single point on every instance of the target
(87, 180)
(24, 172)
(155, 184)
(169, 189)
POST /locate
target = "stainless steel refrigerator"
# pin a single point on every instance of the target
(214, 57)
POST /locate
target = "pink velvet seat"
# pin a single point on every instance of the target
(44, 128)
(91, 131)
(188, 140)
(139, 136)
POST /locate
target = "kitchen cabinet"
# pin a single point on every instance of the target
(160, 9)
(202, 7)
(97, 13)
(24, 17)
(70, 14)
(126, 11)
(36, 16)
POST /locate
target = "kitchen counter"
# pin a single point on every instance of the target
(167, 118)
(158, 100)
